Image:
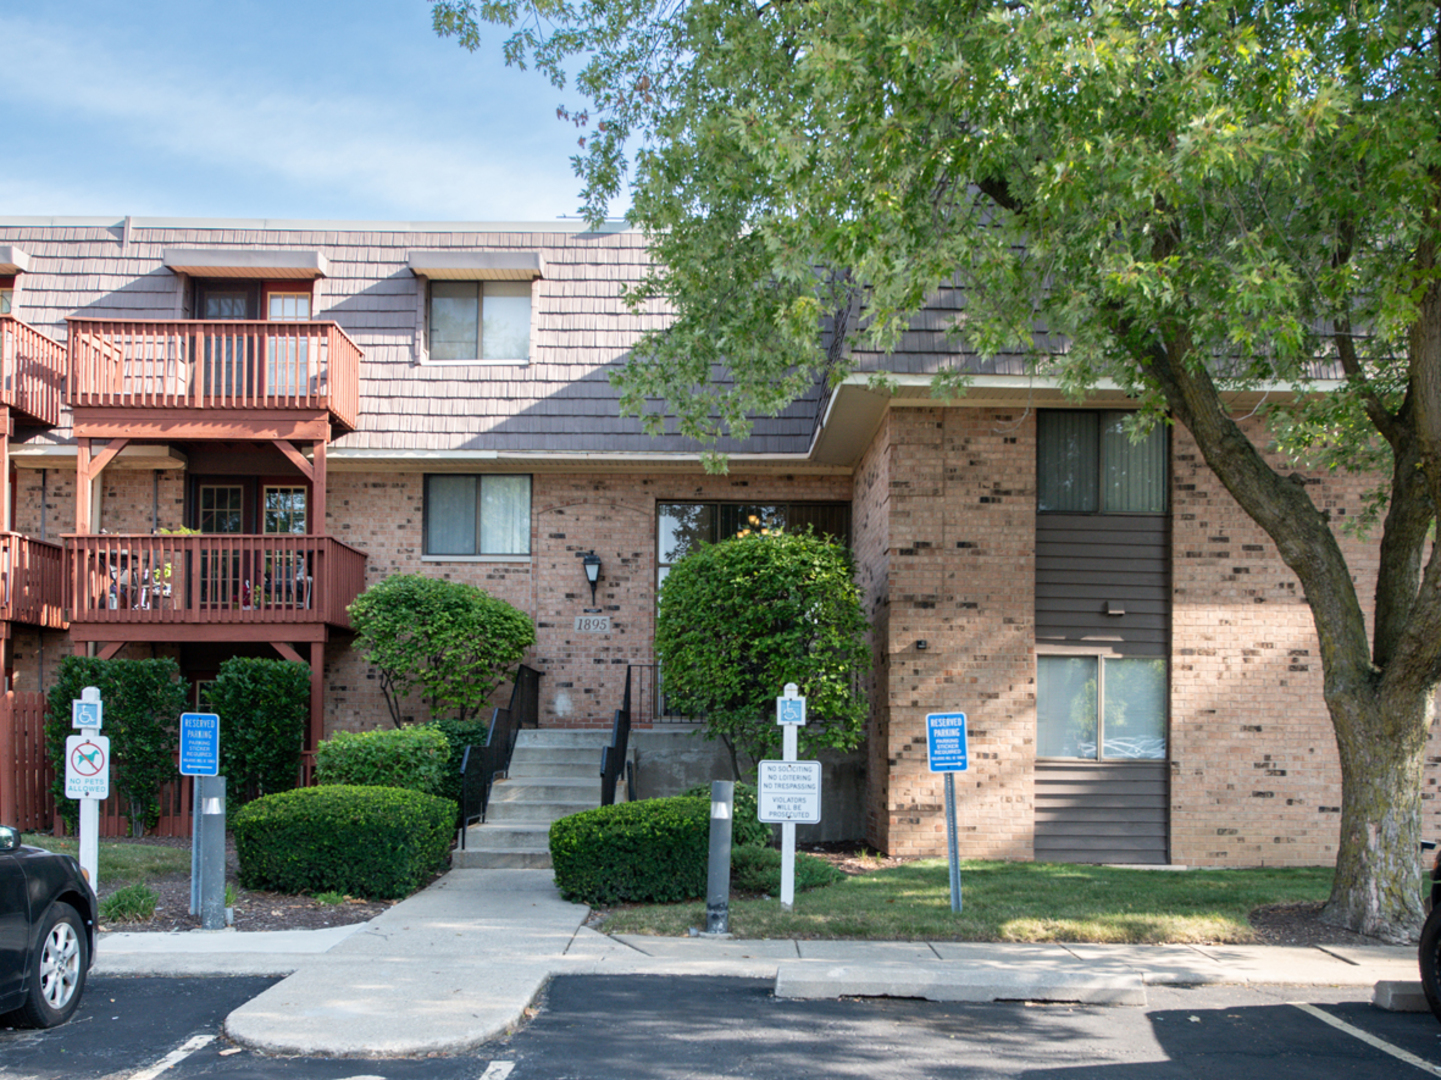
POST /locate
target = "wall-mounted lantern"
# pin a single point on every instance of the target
(590, 563)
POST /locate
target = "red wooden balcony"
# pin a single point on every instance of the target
(32, 581)
(32, 371)
(202, 379)
(225, 581)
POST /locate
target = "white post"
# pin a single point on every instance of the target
(788, 828)
(90, 811)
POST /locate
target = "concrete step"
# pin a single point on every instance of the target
(546, 789)
(474, 858)
(560, 755)
(537, 812)
(541, 767)
(509, 835)
(562, 739)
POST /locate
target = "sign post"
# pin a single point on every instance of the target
(789, 790)
(200, 758)
(87, 776)
(946, 752)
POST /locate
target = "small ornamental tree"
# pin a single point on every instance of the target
(263, 707)
(452, 642)
(143, 702)
(740, 619)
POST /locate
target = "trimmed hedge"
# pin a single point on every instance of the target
(654, 850)
(143, 702)
(414, 757)
(263, 706)
(747, 829)
(379, 842)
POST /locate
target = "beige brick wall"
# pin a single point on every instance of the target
(612, 514)
(1255, 773)
(961, 575)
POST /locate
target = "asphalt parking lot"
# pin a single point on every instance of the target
(644, 1027)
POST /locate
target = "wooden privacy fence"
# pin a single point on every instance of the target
(25, 773)
(26, 800)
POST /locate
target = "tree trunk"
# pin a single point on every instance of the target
(1382, 743)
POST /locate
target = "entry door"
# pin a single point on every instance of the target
(229, 358)
(221, 511)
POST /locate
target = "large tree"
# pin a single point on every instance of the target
(1189, 198)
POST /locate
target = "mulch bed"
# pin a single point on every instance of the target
(254, 909)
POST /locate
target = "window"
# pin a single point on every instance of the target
(288, 307)
(7, 300)
(292, 356)
(466, 516)
(480, 320)
(220, 508)
(682, 527)
(1086, 463)
(1101, 708)
(283, 510)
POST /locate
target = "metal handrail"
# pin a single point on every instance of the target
(479, 765)
(612, 756)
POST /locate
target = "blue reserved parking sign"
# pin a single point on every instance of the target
(199, 744)
(946, 742)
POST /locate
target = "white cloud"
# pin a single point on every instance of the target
(128, 120)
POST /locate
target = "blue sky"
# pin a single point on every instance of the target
(310, 109)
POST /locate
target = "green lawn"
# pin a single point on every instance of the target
(121, 862)
(1006, 901)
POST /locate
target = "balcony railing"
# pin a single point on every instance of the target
(234, 365)
(212, 579)
(32, 371)
(32, 581)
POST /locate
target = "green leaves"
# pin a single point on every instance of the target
(416, 758)
(740, 619)
(143, 702)
(449, 641)
(263, 707)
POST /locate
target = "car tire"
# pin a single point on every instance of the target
(1430, 955)
(56, 978)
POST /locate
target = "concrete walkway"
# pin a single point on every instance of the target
(459, 963)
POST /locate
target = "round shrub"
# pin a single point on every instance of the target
(377, 842)
(654, 850)
(758, 870)
(747, 829)
(414, 757)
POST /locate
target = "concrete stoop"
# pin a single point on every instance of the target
(553, 773)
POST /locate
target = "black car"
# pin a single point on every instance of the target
(47, 933)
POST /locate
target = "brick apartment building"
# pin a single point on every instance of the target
(259, 419)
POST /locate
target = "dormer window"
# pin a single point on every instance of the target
(476, 305)
(480, 320)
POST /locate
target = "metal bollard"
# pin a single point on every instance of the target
(718, 884)
(212, 854)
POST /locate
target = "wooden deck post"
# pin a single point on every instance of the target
(317, 694)
(317, 490)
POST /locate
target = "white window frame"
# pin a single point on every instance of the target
(428, 359)
(427, 556)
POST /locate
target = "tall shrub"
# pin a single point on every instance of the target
(263, 707)
(143, 702)
(452, 642)
(415, 758)
(740, 619)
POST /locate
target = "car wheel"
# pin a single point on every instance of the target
(1430, 955)
(57, 969)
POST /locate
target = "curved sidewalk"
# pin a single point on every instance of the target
(459, 963)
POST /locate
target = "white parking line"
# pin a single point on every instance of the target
(1367, 1038)
(498, 1070)
(175, 1057)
